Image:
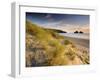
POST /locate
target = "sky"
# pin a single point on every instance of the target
(65, 22)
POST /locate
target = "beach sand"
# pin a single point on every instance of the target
(81, 44)
(78, 41)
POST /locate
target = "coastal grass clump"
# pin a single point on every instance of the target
(85, 57)
(66, 42)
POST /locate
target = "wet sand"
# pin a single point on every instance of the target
(79, 42)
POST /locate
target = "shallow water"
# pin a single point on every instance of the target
(76, 35)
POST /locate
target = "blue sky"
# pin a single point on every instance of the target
(67, 22)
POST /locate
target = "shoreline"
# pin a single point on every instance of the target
(73, 35)
(79, 41)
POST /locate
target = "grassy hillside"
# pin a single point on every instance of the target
(45, 47)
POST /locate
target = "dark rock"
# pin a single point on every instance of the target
(76, 32)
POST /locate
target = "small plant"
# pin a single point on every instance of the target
(66, 42)
(71, 53)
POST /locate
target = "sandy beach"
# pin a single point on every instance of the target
(81, 44)
(78, 41)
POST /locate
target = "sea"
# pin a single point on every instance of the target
(76, 35)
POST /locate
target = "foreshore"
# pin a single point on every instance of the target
(78, 41)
